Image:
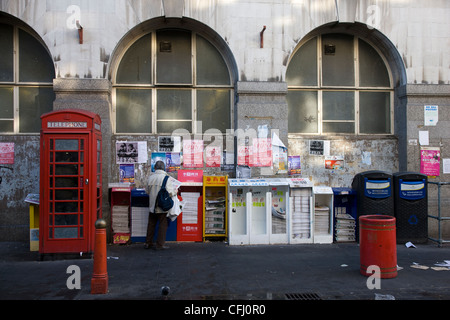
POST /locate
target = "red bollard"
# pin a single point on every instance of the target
(99, 281)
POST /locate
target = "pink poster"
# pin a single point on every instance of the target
(430, 161)
(243, 156)
(193, 153)
(261, 152)
(213, 156)
(6, 153)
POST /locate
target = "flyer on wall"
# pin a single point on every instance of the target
(430, 161)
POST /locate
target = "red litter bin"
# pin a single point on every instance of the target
(377, 244)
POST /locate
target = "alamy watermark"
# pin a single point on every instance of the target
(373, 281)
(74, 280)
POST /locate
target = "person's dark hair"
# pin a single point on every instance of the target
(159, 165)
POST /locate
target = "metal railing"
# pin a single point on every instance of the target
(439, 217)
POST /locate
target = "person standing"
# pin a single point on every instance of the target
(156, 214)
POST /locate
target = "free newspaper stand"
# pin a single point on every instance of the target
(190, 221)
(70, 181)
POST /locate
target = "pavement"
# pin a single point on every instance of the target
(213, 271)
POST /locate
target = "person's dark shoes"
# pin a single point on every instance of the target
(148, 246)
(161, 247)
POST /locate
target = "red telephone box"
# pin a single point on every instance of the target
(70, 181)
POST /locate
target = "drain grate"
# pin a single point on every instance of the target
(302, 296)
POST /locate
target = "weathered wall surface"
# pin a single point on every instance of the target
(18, 180)
(418, 31)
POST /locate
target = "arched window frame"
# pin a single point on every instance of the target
(153, 86)
(356, 88)
(16, 84)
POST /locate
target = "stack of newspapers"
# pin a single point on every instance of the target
(345, 226)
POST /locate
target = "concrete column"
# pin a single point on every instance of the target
(262, 103)
(93, 95)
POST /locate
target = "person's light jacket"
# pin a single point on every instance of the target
(154, 184)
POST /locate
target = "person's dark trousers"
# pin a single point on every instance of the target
(152, 220)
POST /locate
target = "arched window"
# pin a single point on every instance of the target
(171, 79)
(339, 83)
(26, 81)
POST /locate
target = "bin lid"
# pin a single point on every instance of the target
(410, 175)
(300, 183)
(343, 191)
(322, 190)
(138, 193)
(248, 182)
(277, 182)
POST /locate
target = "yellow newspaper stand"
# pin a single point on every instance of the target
(215, 215)
(33, 200)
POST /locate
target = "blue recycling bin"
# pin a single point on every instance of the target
(411, 207)
(374, 193)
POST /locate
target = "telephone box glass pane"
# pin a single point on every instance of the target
(66, 207)
(66, 194)
(66, 144)
(66, 169)
(61, 233)
(66, 219)
(66, 156)
(61, 182)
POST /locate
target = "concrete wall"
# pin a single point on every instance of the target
(413, 35)
(418, 29)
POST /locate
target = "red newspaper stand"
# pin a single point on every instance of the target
(190, 221)
(70, 181)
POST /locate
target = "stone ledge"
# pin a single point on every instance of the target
(417, 90)
(73, 85)
(261, 87)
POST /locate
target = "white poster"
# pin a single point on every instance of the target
(131, 152)
(431, 115)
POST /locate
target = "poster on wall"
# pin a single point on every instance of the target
(227, 161)
(158, 156)
(430, 161)
(243, 155)
(193, 153)
(261, 152)
(126, 173)
(213, 156)
(431, 115)
(319, 147)
(7, 153)
(169, 144)
(131, 152)
(334, 162)
(279, 151)
(173, 161)
(294, 165)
